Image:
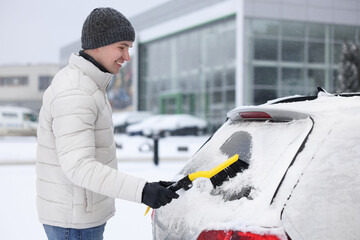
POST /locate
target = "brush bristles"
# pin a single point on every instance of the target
(229, 172)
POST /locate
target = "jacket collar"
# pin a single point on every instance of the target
(92, 60)
(102, 79)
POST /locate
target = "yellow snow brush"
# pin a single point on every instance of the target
(217, 175)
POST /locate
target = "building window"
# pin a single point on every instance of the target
(265, 76)
(292, 51)
(288, 57)
(292, 81)
(44, 82)
(316, 52)
(14, 81)
(9, 115)
(266, 49)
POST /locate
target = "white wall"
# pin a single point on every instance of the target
(25, 94)
(190, 20)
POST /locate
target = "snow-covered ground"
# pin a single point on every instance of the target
(18, 219)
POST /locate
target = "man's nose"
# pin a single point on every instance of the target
(126, 56)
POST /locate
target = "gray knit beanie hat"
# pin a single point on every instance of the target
(105, 26)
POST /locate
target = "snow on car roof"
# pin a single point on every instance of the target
(171, 122)
(168, 122)
(120, 118)
(147, 123)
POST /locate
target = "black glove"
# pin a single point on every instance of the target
(156, 194)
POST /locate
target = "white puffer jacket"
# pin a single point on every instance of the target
(77, 179)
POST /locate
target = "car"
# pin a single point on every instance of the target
(302, 180)
(138, 129)
(164, 125)
(122, 120)
(18, 121)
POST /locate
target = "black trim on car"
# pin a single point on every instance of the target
(308, 98)
(293, 160)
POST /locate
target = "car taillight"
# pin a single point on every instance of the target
(234, 235)
(215, 235)
(153, 215)
(254, 115)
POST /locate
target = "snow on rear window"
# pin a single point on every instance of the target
(268, 147)
(245, 199)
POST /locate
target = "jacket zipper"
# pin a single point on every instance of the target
(88, 201)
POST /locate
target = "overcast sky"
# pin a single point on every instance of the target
(33, 31)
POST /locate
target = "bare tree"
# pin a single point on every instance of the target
(349, 68)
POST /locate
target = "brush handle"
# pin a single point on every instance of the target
(184, 183)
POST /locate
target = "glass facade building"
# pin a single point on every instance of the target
(205, 57)
(194, 71)
(288, 58)
(190, 72)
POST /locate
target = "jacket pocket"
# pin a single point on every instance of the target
(88, 200)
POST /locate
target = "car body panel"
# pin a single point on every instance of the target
(326, 201)
(294, 151)
(122, 120)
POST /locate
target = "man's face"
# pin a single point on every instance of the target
(113, 56)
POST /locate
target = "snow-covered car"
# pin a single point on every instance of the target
(138, 129)
(17, 121)
(169, 125)
(302, 181)
(123, 119)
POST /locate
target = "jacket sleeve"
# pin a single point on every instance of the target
(74, 117)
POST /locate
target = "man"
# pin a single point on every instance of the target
(77, 176)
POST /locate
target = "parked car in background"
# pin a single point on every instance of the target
(169, 125)
(16, 121)
(139, 128)
(302, 182)
(123, 119)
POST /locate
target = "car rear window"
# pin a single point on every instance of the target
(238, 143)
(268, 146)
